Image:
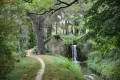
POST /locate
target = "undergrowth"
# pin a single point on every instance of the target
(107, 67)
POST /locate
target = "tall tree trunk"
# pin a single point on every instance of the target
(76, 30)
(56, 23)
(49, 31)
(39, 29)
(72, 29)
(56, 27)
(66, 28)
(63, 31)
(20, 40)
(62, 28)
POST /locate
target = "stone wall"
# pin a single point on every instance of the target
(82, 56)
(55, 46)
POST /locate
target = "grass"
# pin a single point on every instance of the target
(25, 70)
(60, 68)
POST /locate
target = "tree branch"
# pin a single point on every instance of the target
(66, 5)
(52, 10)
(61, 2)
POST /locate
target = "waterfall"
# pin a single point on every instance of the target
(74, 53)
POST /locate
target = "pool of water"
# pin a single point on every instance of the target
(87, 73)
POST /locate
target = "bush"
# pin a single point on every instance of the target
(57, 37)
(6, 60)
(32, 38)
(35, 50)
(47, 40)
(47, 50)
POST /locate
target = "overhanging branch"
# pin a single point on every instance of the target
(61, 2)
(52, 10)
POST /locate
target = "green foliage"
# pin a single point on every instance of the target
(88, 47)
(57, 37)
(47, 50)
(107, 67)
(47, 40)
(6, 60)
(35, 50)
(10, 10)
(39, 4)
(26, 69)
(32, 38)
(103, 22)
(17, 55)
(69, 39)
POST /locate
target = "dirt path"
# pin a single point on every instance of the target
(41, 71)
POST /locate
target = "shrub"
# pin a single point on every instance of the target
(57, 37)
(6, 60)
(35, 50)
(47, 40)
(32, 38)
(47, 50)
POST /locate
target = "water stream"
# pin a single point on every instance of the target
(87, 73)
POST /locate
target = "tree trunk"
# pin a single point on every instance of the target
(20, 39)
(49, 31)
(63, 31)
(72, 29)
(76, 30)
(66, 28)
(39, 29)
(56, 27)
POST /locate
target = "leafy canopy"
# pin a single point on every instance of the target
(103, 20)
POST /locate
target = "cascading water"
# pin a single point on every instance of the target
(74, 53)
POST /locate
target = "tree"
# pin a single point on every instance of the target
(103, 20)
(38, 23)
(40, 8)
(9, 10)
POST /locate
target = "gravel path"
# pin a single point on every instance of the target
(41, 71)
